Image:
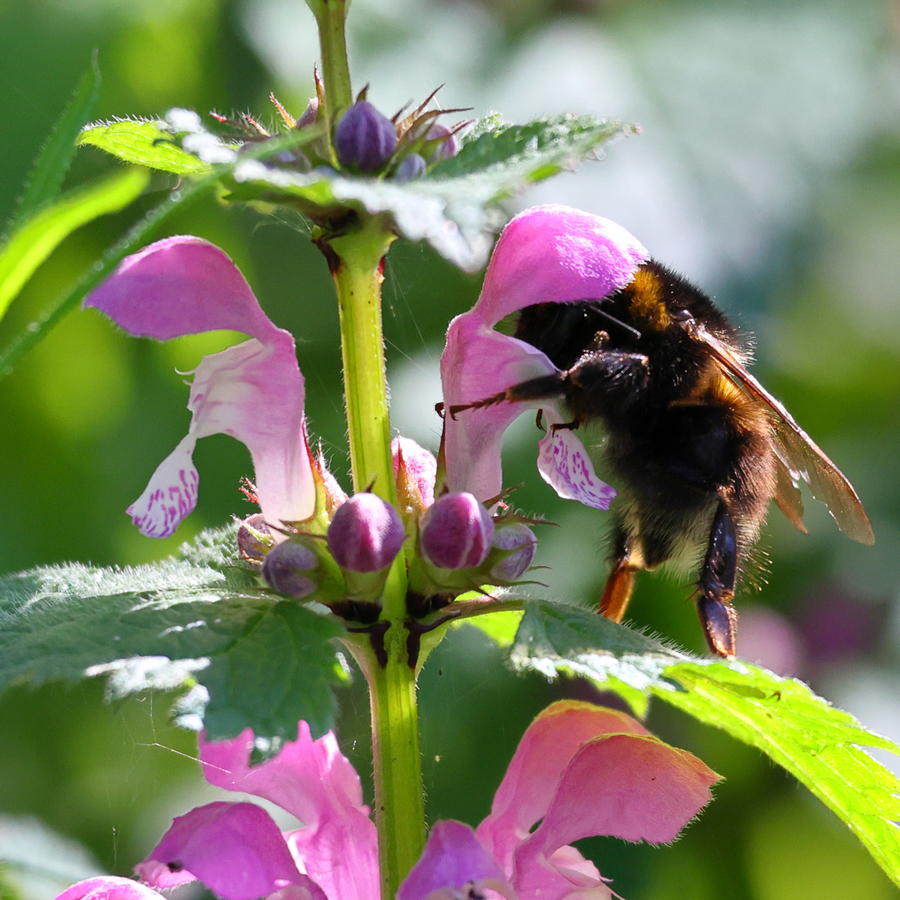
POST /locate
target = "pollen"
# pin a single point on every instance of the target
(647, 304)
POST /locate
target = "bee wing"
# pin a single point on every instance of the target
(798, 456)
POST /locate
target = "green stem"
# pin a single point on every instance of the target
(331, 18)
(356, 269)
(356, 259)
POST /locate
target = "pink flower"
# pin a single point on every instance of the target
(237, 850)
(579, 770)
(547, 254)
(253, 391)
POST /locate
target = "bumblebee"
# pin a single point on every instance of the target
(694, 444)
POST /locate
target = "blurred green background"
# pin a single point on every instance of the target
(768, 170)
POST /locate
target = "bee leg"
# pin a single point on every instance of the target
(620, 583)
(544, 387)
(717, 577)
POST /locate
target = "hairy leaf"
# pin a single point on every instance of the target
(818, 744)
(263, 663)
(144, 143)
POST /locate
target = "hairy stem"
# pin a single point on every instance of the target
(331, 17)
(356, 259)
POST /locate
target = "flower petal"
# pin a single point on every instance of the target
(253, 391)
(478, 363)
(109, 887)
(235, 849)
(453, 858)
(565, 465)
(337, 847)
(180, 285)
(170, 495)
(533, 774)
(556, 254)
(630, 786)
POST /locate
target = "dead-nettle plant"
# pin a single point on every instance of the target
(381, 569)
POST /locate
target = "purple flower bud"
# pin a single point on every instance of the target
(365, 534)
(288, 568)
(446, 148)
(254, 538)
(520, 542)
(456, 532)
(364, 138)
(412, 166)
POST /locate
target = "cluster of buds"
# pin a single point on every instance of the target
(402, 147)
(364, 142)
(341, 555)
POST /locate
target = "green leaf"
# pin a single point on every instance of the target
(814, 741)
(496, 148)
(453, 207)
(34, 240)
(168, 624)
(556, 638)
(818, 744)
(53, 161)
(135, 238)
(282, 670)
(145, 143)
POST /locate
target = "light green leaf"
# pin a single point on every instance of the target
(144, 143)
(815, 742)
(135, 238)
(818, 744)
(263, 663)
(53, 161)
(36, 238)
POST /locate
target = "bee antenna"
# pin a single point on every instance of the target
(614, 321)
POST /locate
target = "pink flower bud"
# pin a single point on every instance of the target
(456, 532)
(519, 542)
(365, 534)
(415, 470)
(364, 138)
(288, 568)
(442, 142)
(254, 538)
(310, 114)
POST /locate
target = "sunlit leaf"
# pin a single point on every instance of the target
(818, 744)
(134, 238)
(143, 143)
(52, 163)
(37, 237)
